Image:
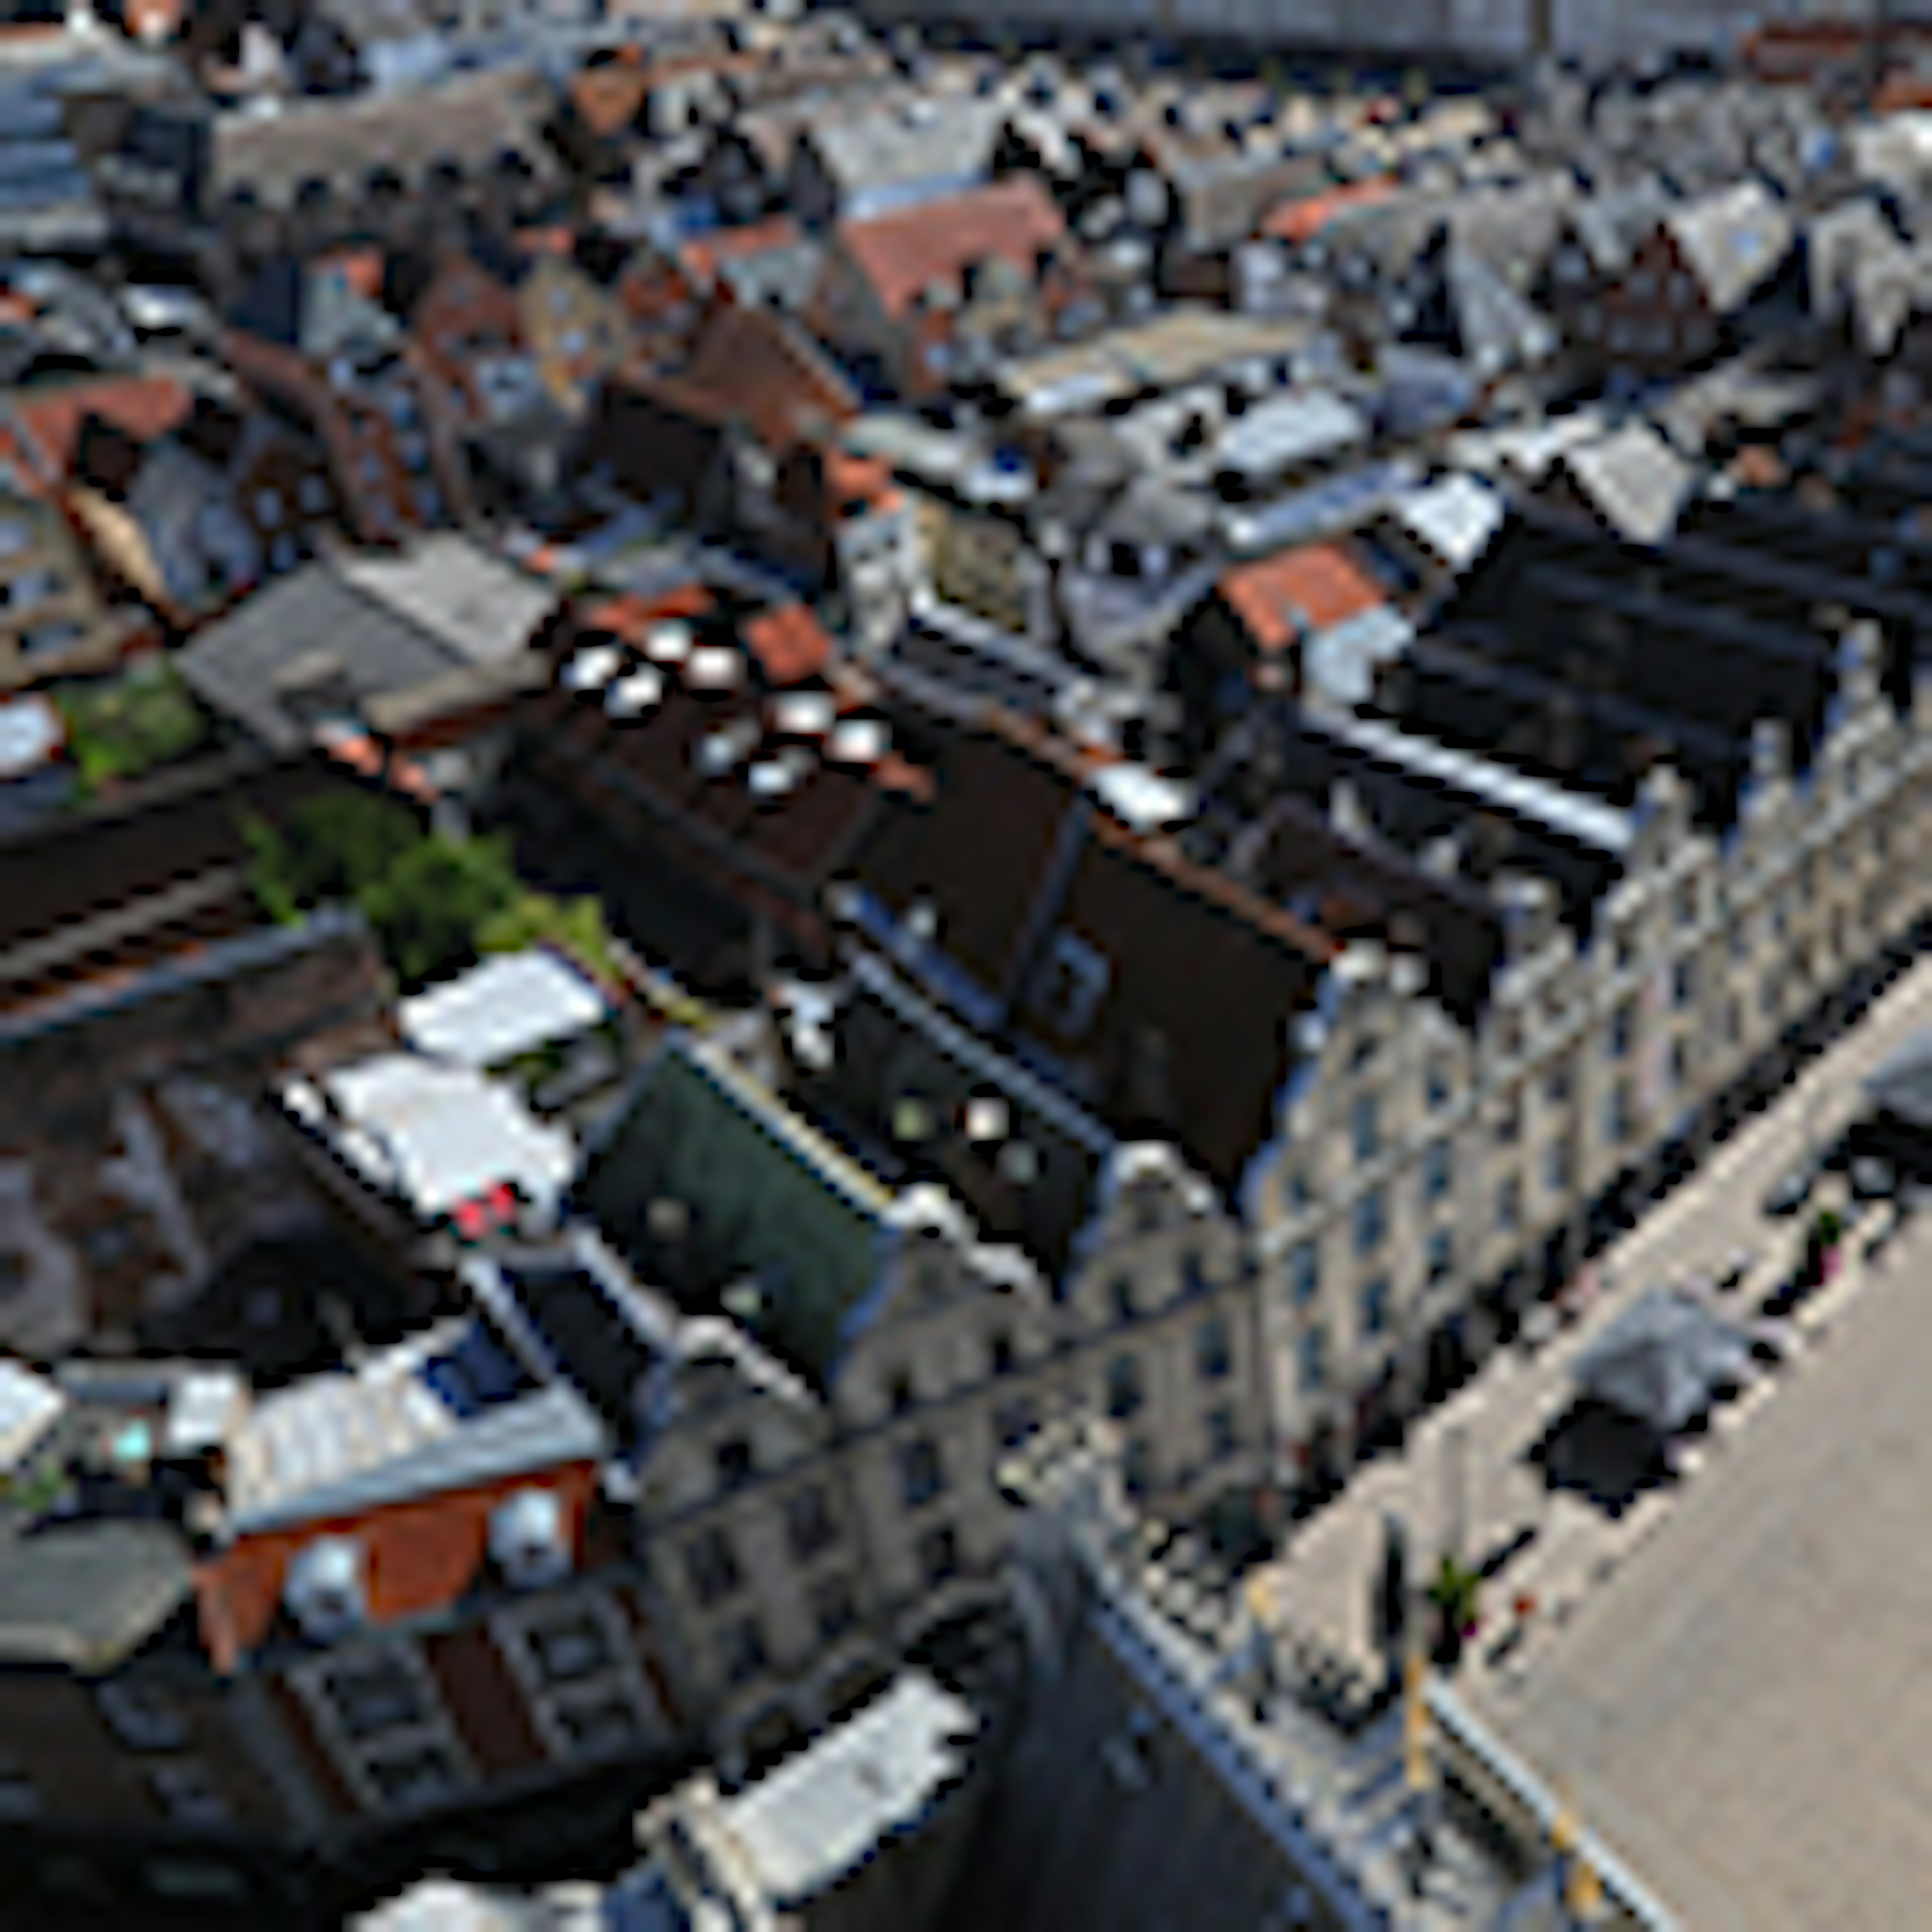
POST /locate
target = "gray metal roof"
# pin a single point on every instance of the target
(87, 1595)
(375, 628)
(1662, 1359)
(816, 1819)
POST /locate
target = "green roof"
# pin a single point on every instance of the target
(766, 1198)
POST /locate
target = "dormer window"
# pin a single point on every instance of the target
(1069, 987)
(324, 1591)
(529, 1539)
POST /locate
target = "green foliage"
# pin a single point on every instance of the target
(431, 905)
(1827, 1228)
(1457, 1593)
(120, 727)
(574, 926)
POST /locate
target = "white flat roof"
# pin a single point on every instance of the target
(30, 1405)
(510, 1004)
(445, 1135)
(1455, 516)
(819, 1816)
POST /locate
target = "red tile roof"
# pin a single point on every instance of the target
(789, 644)
(419, 1557)
(1298, 592)
(629, 615)
(904, 254)
(1302, 219)
(143, 406)
(704, 253)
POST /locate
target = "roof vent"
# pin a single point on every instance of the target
(857, 741)
(631, 696)
(718, 751)
(592, 667)
(714, 667)
(324, 1588)
(668, 643)
(805, 714)
(771, 778)
(530, 1539)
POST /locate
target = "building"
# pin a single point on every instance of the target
(145, 996)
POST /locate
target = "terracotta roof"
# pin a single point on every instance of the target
(1298, 592)
(789, 644)
(904, 254)
(629, 615)
(758, 369)
(360, 268)
(1302, 219)
(143, 407)
(705, 252)
(419, 1557)
(608, 99)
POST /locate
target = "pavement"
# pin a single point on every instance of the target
(1465, 1457)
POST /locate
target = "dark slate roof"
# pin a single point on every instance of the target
(767, 1200)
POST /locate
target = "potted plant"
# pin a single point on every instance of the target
(1456, 1595)
(1828, 1229)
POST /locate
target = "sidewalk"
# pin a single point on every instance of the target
(1326, 1577)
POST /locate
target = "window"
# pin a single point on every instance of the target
(1224, 1432)
(1304, 1272)
(1624, 942)
(744, 1650)
(1000, 1357)
(1441, 1255)
(1125, 1391)
(899, 1392)
(939, 1556)
(1437, 1172)
(1623, 1028)
(1194, 1278)
(376, 1695)
(809, 1527)
(733, 1459)
(600, 1726)
(1686, 903)
(1375, 1305)
(140, 1716)
(1212, 1356)
(1556, 1084)
(834, 1609)
(1556, 1167)
(1311, 1357)
(1737, 939)
(1068, 989)
(1368, 1142)
(1013, 1422)
(185, 1792)
(1436, 1082)
(568, 1649)
(425, 1774)
(1684, 983)
(922, 1474)
(1509, 1120)
(1680, 1061)
(1137, 1469)
(711, 1566)
(1370, 1221)
(1509, 1204)
(1120, 1291)
(1617, 1114)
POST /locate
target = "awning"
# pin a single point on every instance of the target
(1663, 1361)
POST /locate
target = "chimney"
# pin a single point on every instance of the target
(1347, 813)
(1861, 654)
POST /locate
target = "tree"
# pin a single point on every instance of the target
(574, 926)
(429, 908)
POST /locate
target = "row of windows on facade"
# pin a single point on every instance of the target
(711, 1562)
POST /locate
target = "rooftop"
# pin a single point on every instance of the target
(816, 1819)
(507, 1006)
